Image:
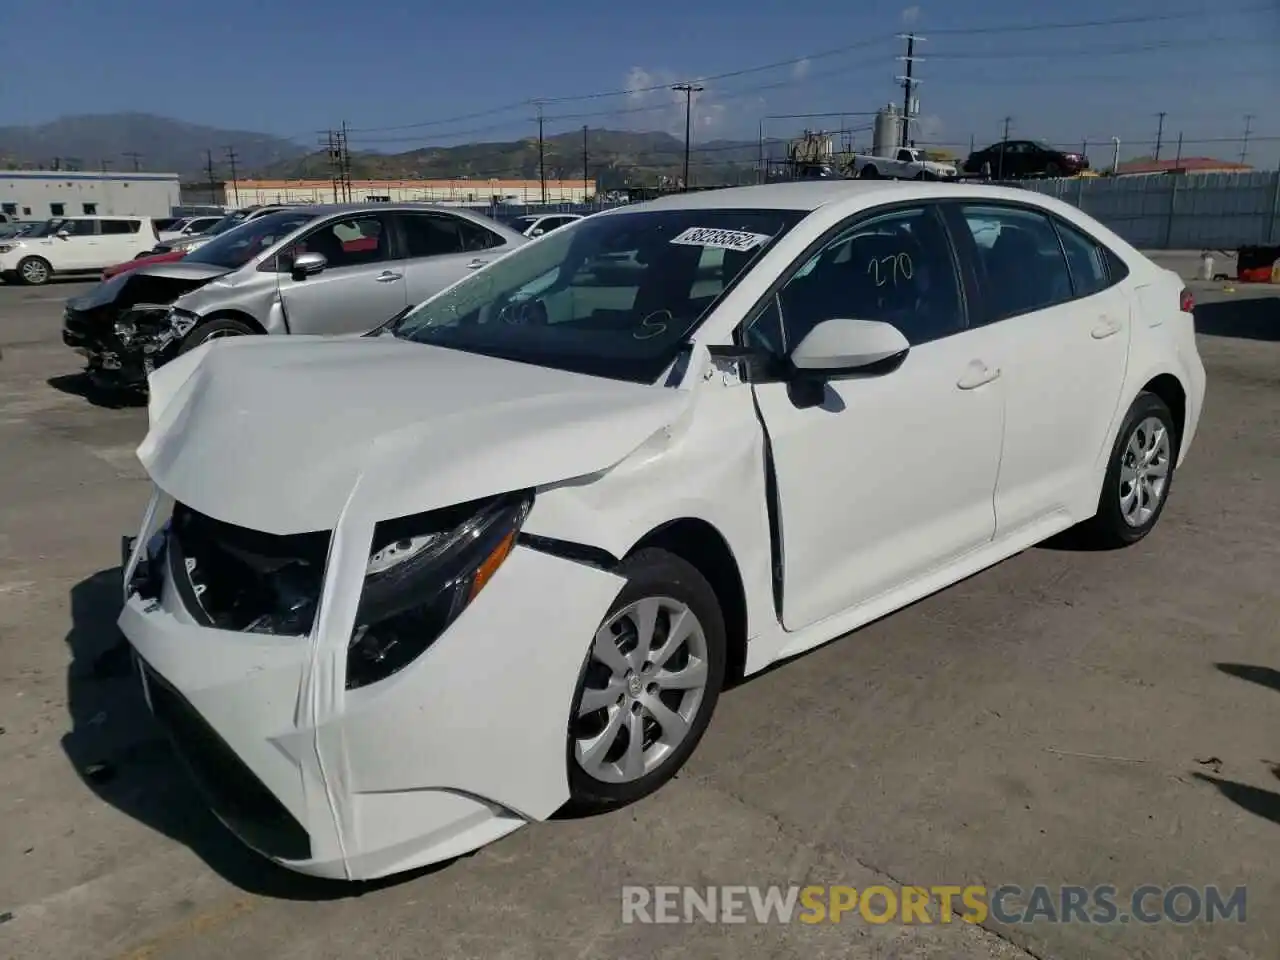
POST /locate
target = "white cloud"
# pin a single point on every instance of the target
(910, 15)
(657, 107)
(800, 70)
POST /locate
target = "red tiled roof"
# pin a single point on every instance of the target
(1188, 164)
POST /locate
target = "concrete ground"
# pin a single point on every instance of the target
(1065, 718)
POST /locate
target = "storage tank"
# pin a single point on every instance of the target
(886, 135)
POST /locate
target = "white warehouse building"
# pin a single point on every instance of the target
(41, 194)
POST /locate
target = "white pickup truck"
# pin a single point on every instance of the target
(907, 163)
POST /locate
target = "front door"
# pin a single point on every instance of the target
(1064, 349)
(891, 476)
(360, 288)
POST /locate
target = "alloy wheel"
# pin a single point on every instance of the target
(35, 272)
(1144, 471)
(645, 682)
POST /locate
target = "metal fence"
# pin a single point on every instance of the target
(1207, 211)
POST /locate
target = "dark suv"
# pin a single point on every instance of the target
(1015, 159)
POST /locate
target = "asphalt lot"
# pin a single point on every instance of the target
(1065, 718)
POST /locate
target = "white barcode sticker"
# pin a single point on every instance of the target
(720, 239)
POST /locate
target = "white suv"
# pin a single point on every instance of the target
(71, 245)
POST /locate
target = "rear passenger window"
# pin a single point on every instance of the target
(476, 237)
(119, 227)
(1020, 262)
(1086, 260)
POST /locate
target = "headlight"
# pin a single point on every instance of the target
(423, 572)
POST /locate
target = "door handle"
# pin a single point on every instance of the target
(1106, 327)
(979, 374)
(476, 264)
(386, 276)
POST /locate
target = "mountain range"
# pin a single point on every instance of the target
(111, 141)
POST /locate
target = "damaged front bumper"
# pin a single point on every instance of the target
(122, 347)
(462, 746)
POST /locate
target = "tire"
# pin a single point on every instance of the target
(869, 173)
(920, 176)
(1110, 527)
(211, 329)
(600, 780)
(34, 271)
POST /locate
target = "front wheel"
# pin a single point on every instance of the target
(1139, 475)
(34, 271)
(649, 683)
(213, 329)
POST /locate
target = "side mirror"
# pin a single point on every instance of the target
(536, 232)
(308, 265)
(849, 348)
(62, 234)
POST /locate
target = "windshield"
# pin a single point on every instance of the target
(237, 247)
(617, 296)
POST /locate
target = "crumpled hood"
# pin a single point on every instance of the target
(280, 434)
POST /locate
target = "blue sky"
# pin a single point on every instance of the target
(395, 70)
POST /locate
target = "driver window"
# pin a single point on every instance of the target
(897, 268)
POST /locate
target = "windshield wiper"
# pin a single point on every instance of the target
(392, 326)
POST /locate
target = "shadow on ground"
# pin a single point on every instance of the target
(124, 758)
(1253, 318)
(1259, 802)
(82, 385)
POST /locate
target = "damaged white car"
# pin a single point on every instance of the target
(397, 595)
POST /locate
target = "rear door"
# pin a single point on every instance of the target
(1064, 329)
(81, 249)
(360, 288)
(437, 249)
(121, 239)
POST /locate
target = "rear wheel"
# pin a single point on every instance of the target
(869, 173)
(649, 683)
(1139, 475)
(212, 330)
(34, 271)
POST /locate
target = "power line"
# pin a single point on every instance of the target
(1197, 14)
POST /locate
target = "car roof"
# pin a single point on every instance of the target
(329, 209)
(809, 195)
(107, 216)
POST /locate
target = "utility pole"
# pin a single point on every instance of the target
(586, 179)
(1159, 136)
(542, 155)
(332, 152)
(235, 186)
(135, 157)
(909, 83)
(688, 89)
(1244, 143)
(208, 169)
(760, 173)
(57, 163)
(1004, 139)
(344, 152)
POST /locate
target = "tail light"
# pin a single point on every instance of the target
(1187, 302)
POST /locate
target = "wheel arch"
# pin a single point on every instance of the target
(231, 314)
(699, 543)
(1171, 391)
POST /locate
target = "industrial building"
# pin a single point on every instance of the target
(458, 190)
(41, 194)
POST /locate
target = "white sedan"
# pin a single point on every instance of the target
(396, 596)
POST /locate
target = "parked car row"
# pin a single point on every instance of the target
(395, 596)
(300, 270)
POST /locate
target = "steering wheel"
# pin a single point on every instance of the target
(525, 313)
